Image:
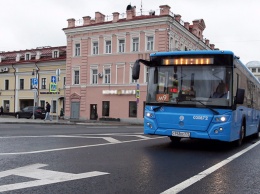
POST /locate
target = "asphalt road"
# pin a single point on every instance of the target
(37, 158)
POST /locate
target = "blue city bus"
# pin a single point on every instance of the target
(200, 94)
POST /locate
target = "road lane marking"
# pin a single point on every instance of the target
(77, 147)
(42, 176)
(185, 184)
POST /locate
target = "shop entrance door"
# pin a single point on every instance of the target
(93, 112)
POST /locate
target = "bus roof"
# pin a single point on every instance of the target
(198, 52)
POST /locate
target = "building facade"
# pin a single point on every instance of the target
(102, 51)
(18, 71)
(254, 67)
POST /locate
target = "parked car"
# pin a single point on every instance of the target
(27, 112)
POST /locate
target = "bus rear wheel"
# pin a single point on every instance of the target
(175, 140)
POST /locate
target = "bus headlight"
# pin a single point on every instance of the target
(149, 114)
(221, 119)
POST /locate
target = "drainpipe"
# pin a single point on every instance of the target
(14, 85)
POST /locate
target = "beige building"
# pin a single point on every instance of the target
(101, 52)
(20, 69)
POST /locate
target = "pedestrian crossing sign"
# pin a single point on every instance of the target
(53, 87)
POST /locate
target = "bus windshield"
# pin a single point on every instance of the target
(190, 85)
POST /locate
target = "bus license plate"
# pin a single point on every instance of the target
(180, 134)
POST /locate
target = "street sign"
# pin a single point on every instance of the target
(53, 79)
(34, 81)
(53, 87)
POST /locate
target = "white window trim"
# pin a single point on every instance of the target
(132, 43)
(119, 45)
(92, 46)
(73, 78)
(58, 53)
(74, 50)
(108, 66)
(45, 83)
(105, 46)
(93, 67)
(146, 42)
(25, 56)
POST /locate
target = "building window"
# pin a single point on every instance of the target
(107, 76)
(95, 48)
(121, 47)
(76, 77)
(132, 109)
(135, 44)
(42, 103)
(64, 82)
(27, 57)
(94, 76)
(54, 106)
(43, 83)
(105, 108)
(55, 54)
(6, 84)
(21, 84)
(131, 79)
(77, 49)
(253, 70)
(108, 46)
(150, 43)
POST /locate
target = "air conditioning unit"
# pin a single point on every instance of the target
(100, 75)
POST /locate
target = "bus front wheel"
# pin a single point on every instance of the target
(241, 135)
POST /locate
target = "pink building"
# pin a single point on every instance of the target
(102, 51)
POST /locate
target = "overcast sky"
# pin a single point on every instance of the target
(230, 24)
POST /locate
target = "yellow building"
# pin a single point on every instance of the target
(26, 77)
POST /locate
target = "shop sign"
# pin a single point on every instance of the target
(119, 92)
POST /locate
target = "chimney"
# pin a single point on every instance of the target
(99, 17)
(38, 55)
(18, 57)
(164, 9)
(177, 17)
(71, 23)
(212, 46)
(187, 25)
(115, 16)
(207, 42)
(86, 20)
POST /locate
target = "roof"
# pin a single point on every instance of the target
(253, 64)
(199, 52)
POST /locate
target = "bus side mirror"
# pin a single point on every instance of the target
(240, 96)
(136, 70)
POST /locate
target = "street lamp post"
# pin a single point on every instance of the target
(35, 87)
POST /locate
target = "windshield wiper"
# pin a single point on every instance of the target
(157, 108)
(214, 111)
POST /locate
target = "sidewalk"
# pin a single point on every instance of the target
(11, 120)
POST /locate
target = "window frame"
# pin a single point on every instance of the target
(121, 46)
(149, 43)
(135, 45)
(76, 77)
(77, 49)
(43, 83)
(108, 47)
(21, 84)
(95, 48)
